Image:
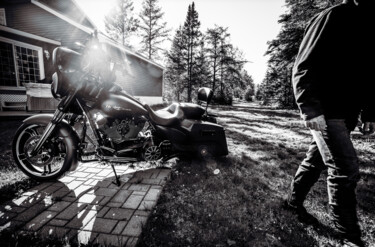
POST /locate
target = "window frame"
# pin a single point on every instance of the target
(39, 49)
(3, 14)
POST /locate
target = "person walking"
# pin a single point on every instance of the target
(331, 82)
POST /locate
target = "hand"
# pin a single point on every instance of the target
(318, 123)
(368, 128)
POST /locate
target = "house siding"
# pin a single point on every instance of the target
(143, 79)
(32, 19)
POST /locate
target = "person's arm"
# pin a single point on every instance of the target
(309, 68)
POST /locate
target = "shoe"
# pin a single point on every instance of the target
(352, 242)
(302, 215)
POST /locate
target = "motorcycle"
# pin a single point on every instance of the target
(46, 146)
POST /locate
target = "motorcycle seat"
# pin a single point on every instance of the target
(192, 111)
(168, 116)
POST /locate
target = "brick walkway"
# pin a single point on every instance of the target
(86, 207)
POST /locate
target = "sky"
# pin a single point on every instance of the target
(251, 23)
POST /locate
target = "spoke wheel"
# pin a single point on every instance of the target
(49, 162)
(152, 153)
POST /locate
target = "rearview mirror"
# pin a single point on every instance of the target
(205, 94)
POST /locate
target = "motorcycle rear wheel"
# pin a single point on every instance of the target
(50, 162)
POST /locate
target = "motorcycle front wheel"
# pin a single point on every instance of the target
(50, 162)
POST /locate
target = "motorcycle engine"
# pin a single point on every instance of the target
(122, 130)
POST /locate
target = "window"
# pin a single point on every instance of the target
(20, 63)
(3, 20)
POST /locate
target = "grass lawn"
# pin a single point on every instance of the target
(236, 200)
(241, 205)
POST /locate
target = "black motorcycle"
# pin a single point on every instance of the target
(123, 129)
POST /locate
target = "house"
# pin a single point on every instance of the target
(29, 32)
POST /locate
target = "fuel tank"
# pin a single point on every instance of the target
(121, 106)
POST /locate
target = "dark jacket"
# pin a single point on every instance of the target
(334, 69)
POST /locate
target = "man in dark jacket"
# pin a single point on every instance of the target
(331, 80)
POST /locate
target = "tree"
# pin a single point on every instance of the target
(192, 34)
(283, 50)
(152, 30)
(225, 63)
(120, 24)
(176, 68)
(213, 37)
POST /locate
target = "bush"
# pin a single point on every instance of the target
(225, 98)
(249, 94)
(238, 93)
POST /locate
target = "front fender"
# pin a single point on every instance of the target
(65, 131)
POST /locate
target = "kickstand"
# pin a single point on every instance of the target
(117, 180)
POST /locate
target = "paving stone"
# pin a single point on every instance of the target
(102, 225)
(134, 227)
(58, 184)
(79, 174)
(50, 189)
(142, 213)
(139, 193)
(147, 205)
(114, 204)
(86, 237)
(68, 198)
(143, 174)
(61, 192)
(104, 201)
(102, 212)
(139, 187)
(81, 190)
(110, 240)
(104, 183)
(157, 187)
(132, 242)
(54, 231)
(74, 184)
(153, 181)
(57, 222)
(155, 173)
(152, 195)
(87, 198)
(71, 211)
(121, 196)
(119, 227)
(104, 173)
(40, 187)
(88, 182)
(105, 192)
(133, 202)
(67, 179)
(164, 174)
(30, 213)
(8, 207)
(59, 206)
(39, 221)
(81, 219)
(93, 170)
(119, 214)
(94, 182)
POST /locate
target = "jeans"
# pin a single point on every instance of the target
(338, 156)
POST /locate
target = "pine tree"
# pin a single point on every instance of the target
(283, 50)
(176, 68)
(192, 34)
(152, 30)
(120, 24)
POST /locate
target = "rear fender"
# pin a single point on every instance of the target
(65, 131)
